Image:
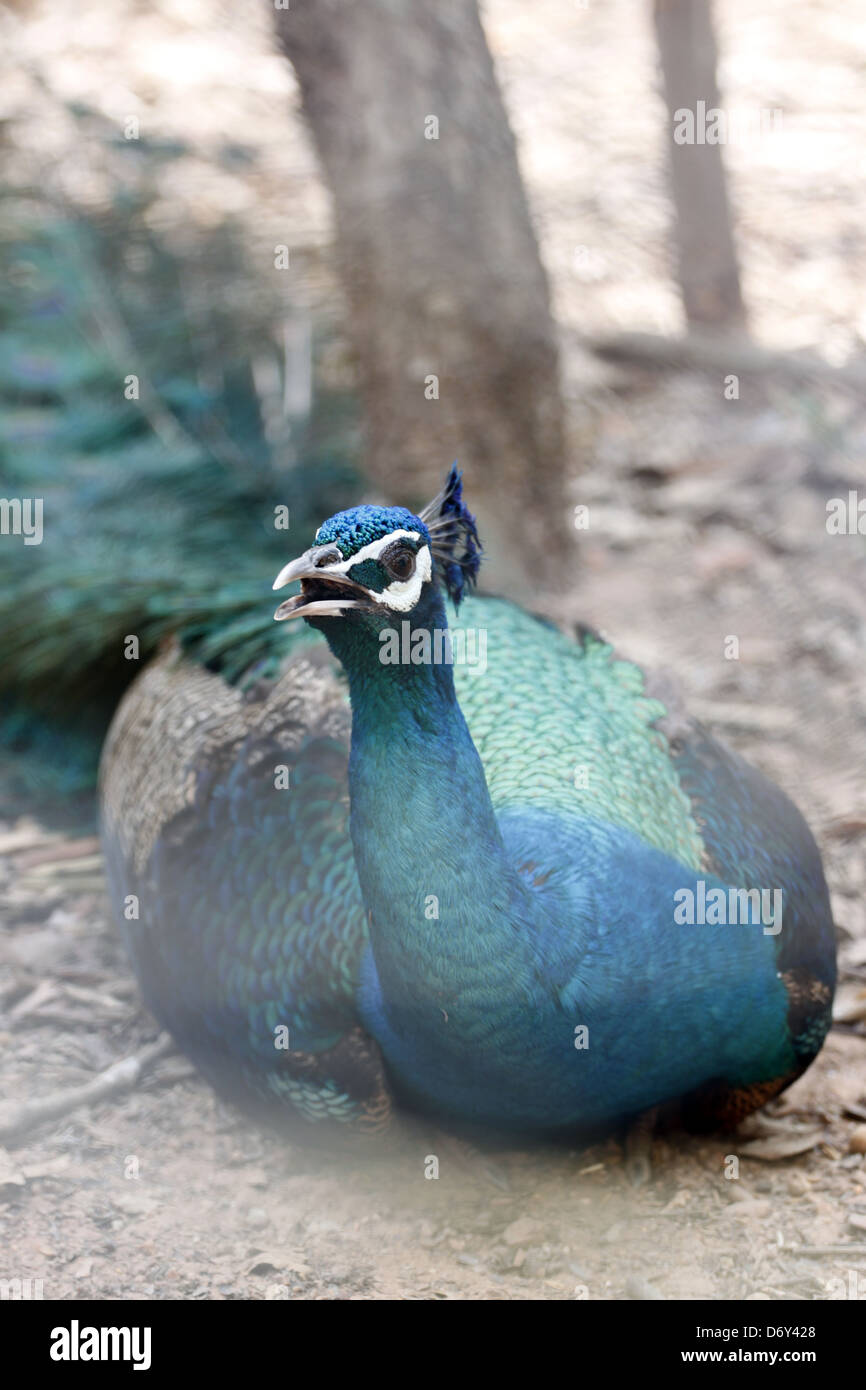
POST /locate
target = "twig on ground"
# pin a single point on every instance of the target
(819, 1251)
(16, 1121)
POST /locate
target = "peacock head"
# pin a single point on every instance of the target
(372, 565)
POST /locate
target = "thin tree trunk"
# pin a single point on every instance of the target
(707, 259)
(437, 255)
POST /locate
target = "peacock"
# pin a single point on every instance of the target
(427, 850)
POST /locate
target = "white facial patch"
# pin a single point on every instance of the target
(402, 594)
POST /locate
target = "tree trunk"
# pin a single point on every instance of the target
(707, 259)
(438, 258)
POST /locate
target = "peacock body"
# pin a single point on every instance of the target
(363, 872)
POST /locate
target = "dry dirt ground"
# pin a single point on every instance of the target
(707, 521)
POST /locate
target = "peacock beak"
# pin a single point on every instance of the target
(323, 594)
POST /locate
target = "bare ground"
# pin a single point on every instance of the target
(707, 521)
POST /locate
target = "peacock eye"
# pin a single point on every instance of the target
(402, 565)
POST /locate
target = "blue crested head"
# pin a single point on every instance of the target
(358, 527)
(375, 561)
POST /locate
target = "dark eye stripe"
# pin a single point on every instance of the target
(370, 573)
(379, 574)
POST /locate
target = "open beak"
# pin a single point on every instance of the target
(322, 595)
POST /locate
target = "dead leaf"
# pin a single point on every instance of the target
(282, 1261)
(845, 827)
(850, 1005)
(523, 1231)
(752, 1207)
(857, 1142)
(777, 1146)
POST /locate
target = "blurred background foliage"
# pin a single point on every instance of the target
(243, 408)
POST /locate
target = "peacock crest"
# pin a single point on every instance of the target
(453, 537)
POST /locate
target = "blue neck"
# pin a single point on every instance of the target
(430, 857)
